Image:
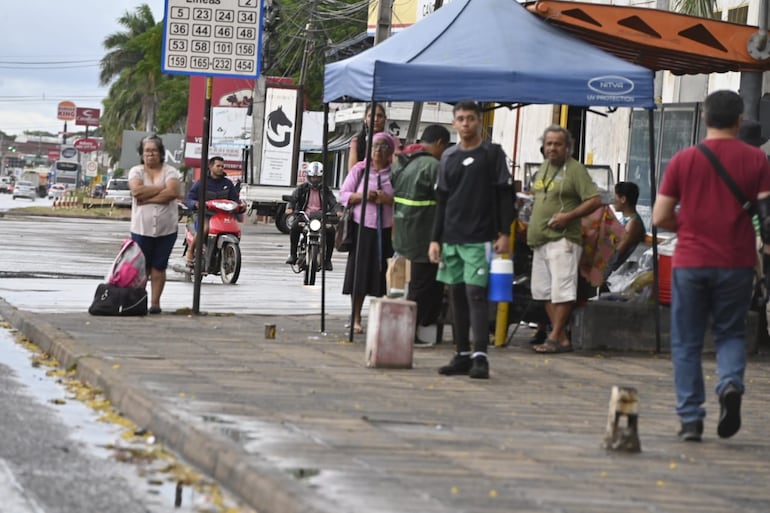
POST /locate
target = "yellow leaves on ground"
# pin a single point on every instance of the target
(139, 446)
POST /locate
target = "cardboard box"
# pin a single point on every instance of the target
(397, 276)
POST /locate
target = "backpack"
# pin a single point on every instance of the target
(129, 268)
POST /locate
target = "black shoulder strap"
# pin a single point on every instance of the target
(746, 205)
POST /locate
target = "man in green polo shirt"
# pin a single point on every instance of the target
(564, 194)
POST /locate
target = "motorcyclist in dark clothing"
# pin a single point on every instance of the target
(307, 198)
(218, 186)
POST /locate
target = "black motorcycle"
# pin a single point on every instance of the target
(310, 256)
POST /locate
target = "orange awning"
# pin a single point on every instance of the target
(656, 39)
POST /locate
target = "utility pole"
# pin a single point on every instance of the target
(257, 129)
(300, 109)
(258, 98)
(414, 120)
(384, 21)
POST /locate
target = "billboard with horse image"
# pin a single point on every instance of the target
(278, 136)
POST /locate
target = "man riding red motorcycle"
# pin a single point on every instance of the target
(307, 198)
(218, 186)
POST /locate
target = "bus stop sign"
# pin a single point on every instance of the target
(221, 39)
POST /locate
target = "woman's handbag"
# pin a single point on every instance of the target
(343, 238)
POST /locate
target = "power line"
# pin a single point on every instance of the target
(40, 63)
(47, 98)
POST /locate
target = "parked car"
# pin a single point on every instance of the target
(118, 192)
(24, 189)
(56, 191)
(6, 184)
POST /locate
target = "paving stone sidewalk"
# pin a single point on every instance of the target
(299, 424)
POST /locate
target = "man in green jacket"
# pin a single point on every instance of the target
(414, 207)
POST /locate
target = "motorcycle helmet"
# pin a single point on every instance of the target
(315, 174)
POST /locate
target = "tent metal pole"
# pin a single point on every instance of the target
(653, 190)
(365, 179)
(324, 239)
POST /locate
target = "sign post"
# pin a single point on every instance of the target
(213, 40)
(66, 112)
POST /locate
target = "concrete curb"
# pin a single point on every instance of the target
(262, 488)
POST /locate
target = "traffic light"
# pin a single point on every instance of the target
(12, 148)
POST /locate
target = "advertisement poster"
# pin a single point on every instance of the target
(230, 100)
(405, 13)
(278, 138)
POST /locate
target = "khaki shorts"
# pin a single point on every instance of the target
(464, 263)
(555, 271)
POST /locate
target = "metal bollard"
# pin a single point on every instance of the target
(624, 402)
(269, 331)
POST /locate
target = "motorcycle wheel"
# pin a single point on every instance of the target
(311, 265)
(230, 263)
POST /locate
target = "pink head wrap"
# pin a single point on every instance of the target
(389, 139)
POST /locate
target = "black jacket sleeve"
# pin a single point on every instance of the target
(295, 197)
(438, 221)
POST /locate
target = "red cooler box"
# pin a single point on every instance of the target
(664, 279)
(665, 254)
(390, 333)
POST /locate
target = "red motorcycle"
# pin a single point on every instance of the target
(221, 250)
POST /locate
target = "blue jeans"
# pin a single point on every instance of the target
(696, 293)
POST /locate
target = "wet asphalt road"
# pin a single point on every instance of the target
(54, 265)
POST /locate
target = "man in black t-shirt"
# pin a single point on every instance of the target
(475, 207)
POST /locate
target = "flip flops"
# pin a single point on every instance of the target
(552, 347)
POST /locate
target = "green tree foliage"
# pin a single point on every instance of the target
(140, 97)
(143, 98)
(701, 8)
(315, 25)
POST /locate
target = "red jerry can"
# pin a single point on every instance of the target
(390, 334)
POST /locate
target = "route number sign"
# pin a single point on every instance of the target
(212, 37)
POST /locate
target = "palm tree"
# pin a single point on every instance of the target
(702, 8)
(133, 58)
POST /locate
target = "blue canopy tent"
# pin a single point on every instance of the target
(489, 51)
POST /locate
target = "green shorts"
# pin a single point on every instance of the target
(465, 263)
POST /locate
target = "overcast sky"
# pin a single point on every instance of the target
(50, 52)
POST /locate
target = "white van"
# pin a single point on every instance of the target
(118, 192)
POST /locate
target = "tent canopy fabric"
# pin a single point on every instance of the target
(490, 51)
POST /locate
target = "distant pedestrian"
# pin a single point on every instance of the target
(154, 214)
(475, 207)
(564, 194)
(713, 261)
(414, 209)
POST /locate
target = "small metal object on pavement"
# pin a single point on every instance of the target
(623, 436)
